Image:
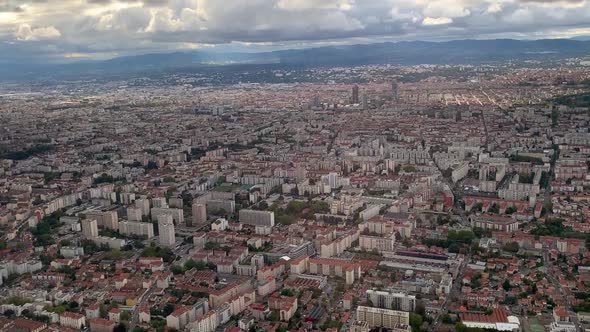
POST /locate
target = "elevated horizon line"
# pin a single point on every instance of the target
(579, 39)
(212, 50)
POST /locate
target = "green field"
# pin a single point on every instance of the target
(226, 187)
(535, 325)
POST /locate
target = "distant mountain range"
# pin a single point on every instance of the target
(402, 53)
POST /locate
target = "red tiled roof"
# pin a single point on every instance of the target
(73, 315)
(497, 316)
(101, 321)
(257, 306)
(561, 312)
(28, 324)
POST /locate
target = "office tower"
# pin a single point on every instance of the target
(355, 94)
(89, 228)
(365, 102)
(166, 235)
(257, 218)
(134, 214)
(315, 102)
(394, 92)
(199, 213)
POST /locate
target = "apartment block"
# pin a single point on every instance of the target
(257, 218)
(382, 317)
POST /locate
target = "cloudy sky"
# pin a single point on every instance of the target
(69, 30)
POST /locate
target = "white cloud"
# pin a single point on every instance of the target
(450, 9)
(26, 33)
(437, 21)
(164, 20)
(314, 4)
(495, 7)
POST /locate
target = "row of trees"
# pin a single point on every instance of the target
(156, 251)
(24, 154)
(192, 264)
(298, 209)
(42, 232)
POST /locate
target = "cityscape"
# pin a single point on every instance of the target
(361, 195)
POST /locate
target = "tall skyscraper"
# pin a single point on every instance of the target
(89, 228)
(355, 94)
(394, 92)
(365, 102)
(199, 213)
(315, 101)
(166, 235)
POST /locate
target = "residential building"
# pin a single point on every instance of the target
(376, 317)
(105, 219)
(137, 228)
(166, 237)
(101, 325)
(72, 320)
(199, 213)
(392, 300)
(379, 243)
(89, 228)
(257, 218)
